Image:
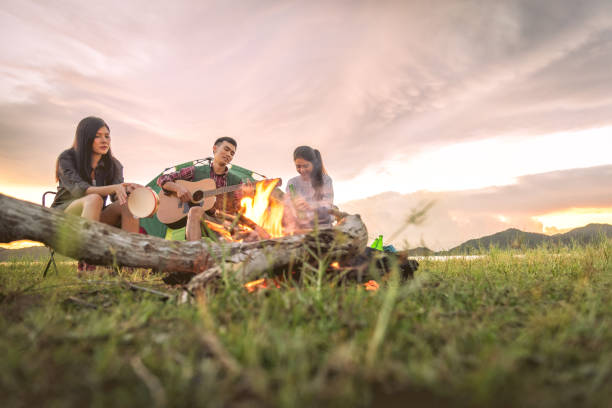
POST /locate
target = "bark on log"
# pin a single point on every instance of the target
(94, 242)
(100, 244)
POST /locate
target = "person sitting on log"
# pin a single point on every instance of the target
(310, 195)
(87, 173)
(224, 150)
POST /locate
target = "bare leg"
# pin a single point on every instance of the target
(88, 207)
(193, 230)
(129, 223)
(116, 214)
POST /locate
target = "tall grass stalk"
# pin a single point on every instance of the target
(384, 316)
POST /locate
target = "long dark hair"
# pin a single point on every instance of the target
(83, 141)
(313, 156)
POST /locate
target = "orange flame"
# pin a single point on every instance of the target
(266, 213)
(371, 285)
(335, 265)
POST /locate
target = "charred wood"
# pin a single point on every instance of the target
(373, 264)
(253, 260)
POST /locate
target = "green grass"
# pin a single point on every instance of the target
(504, 330)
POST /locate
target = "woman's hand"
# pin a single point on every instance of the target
(120, 193)
(129, 187)
(301, 204)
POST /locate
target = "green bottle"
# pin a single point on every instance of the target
(374, 243)
(379, 246)
(378, 243)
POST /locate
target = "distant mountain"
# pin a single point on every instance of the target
(420, 251)
(517, 239)
(510, 238)
(584, 235)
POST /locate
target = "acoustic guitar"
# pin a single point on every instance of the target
(204, 194)
(173, 212)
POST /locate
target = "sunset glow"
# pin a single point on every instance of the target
(574, 218)
(32, 194)
(21, 244)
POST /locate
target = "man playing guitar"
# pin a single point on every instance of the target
(224, 149)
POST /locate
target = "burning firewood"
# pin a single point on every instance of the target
(256, 260)
(367, 268)
(238, 230)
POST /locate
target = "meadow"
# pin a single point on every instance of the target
(532, 329)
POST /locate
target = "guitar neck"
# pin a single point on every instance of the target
(226, 189)
(222, 190)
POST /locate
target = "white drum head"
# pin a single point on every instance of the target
(142, 202)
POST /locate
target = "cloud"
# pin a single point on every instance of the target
(363, 81)
(462, 215)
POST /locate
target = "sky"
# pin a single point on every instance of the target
(410, 99)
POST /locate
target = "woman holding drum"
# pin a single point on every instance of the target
(87, 173)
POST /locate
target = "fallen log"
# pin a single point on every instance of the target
(94, 242)
(100, 244)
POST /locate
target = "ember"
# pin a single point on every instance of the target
(260, 284)
(371, 285)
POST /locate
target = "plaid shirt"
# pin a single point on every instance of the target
(183, 174)
(225, 202)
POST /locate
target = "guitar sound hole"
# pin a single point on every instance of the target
(197, 195)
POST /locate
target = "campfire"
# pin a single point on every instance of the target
(260, 217)
(206, 263)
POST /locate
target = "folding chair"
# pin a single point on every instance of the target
(51, 250)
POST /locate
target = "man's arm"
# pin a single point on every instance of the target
(167, 182)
